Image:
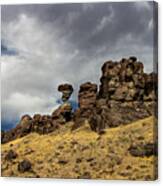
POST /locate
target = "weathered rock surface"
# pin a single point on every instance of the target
(87, 100)
(125, 94)
(63, 114)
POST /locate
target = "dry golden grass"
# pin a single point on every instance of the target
(84, 154)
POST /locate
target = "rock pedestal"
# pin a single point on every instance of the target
(87, 100)
(66, 90)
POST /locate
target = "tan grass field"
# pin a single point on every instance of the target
(83, 153)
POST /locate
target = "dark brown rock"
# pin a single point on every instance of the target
(87, 101)
(63, 114)
(66, 90)
(87, 95)
(24, 166)
(11, 155)
(129, 94)
(141, 150)
(37, 118)
(62, 161)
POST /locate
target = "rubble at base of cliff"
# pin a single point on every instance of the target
(126, 94)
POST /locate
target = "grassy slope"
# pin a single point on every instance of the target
(83, 153)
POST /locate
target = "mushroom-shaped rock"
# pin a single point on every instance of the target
(66, 90)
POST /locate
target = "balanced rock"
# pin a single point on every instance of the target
(66, 90)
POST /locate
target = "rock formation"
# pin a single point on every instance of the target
(63, 114)
(66, 90)
(126, 94)
(87, 100)
(43, 124)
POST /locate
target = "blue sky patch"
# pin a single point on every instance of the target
(7, 51)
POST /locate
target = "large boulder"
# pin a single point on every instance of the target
(142, 150)
(24, 166)
(11, 154)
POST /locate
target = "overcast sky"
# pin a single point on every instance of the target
(46, 45)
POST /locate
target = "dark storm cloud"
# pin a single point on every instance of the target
(58, 43)
(125, 18)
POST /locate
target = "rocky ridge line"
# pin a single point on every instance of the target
(125, 94)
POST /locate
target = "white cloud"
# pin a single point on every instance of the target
(105, 20)
(25, 103)
(87, 6)
(143, 5)
(150, 24)
(46, 59)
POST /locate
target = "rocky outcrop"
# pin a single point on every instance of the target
(43, 124)
(87, 100)
(129, 93)
(87, 95)
(126, 81)
(63, 114)
(125, 94)
(21, 129)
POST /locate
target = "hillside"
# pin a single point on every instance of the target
(85, 154)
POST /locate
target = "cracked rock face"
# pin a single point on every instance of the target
(126, 81)
(66, 90)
